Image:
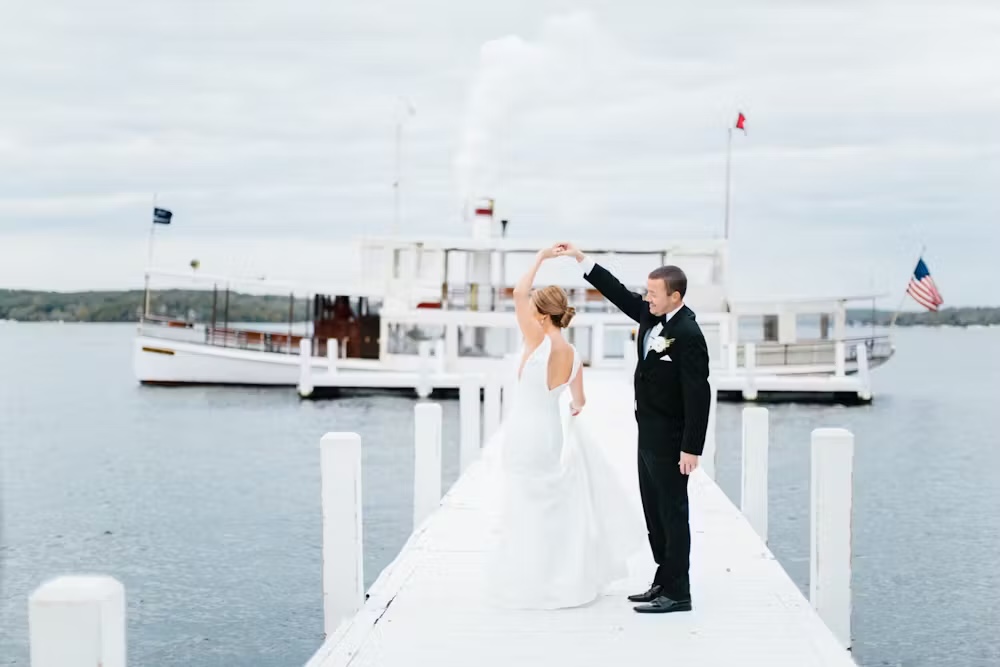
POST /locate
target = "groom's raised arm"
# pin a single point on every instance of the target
(625, 299)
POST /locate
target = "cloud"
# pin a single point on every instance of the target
(870, 128)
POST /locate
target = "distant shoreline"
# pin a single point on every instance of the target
(126, 305)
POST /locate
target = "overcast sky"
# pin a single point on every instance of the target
(267, 127)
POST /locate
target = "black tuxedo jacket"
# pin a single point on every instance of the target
(672, 394)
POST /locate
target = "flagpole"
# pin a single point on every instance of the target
(892, 322)
(404, 110)
(395, 183)
(729, 157)
(152, 231)
(149, 260)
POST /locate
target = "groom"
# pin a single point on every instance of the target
(671, 408)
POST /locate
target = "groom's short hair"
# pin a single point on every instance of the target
(672, 277)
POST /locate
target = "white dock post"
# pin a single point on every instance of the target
(830, 529)
(753, 498)
(839, 359)
(708, 454)
(332, 353)
(343, 553)
(491, 406)
(469, 405)
(426, 460)
(305, 368)
(77, 621)
(732, 350)
(864, 373)
(439, 359)
(451, 344)
(424, 387)
(597, 345)
(750, 370)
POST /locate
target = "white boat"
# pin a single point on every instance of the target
(424, 311)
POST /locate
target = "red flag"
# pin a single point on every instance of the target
(740, 121)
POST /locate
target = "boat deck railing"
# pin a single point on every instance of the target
(816, 352)
(257, 340)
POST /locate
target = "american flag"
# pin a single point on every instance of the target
(922, 287)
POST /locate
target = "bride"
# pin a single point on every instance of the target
(566, 528)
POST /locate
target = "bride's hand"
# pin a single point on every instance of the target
(546, 253)
(573, 410)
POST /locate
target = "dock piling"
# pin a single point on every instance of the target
(831, 502)
(426, 461)
(343, 552)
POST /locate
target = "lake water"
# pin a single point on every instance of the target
(204, 502)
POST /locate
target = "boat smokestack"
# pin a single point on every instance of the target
(480, 269)
(483, 224)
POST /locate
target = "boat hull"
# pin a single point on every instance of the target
(159, 361)
(167, 362)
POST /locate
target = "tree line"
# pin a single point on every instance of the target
(196, 306)
(127, 305)
(957, 317)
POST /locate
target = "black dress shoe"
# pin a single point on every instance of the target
(650, 595)
(664, 605)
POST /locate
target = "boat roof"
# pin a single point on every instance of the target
(526, 245)
(269, 285)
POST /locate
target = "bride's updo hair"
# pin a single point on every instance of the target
(552, 301)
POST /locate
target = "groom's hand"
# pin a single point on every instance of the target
(567, 249)
(688, 463)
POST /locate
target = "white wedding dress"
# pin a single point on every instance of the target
(566, 527)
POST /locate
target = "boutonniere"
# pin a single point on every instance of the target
(659, 344)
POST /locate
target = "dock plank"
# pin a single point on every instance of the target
(428, 608)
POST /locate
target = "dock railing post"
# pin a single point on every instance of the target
(830, 529)
(305, 368)
(491, 406)
(469, 406)
(77, 621)
(839, 359)
(343, 553)
(424, 387)
(749, 370)
(426, 460)
(864, 373)
(332, 354)
(440, 363)
(451, 344)
(708, 455)
(753, 497)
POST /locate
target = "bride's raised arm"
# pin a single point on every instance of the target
(530, 327)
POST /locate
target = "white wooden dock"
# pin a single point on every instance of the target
(428, 606)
